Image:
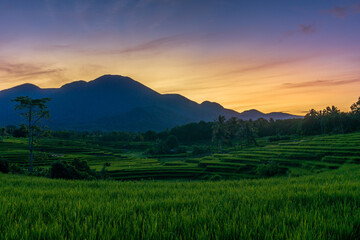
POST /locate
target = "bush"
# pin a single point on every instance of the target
(215, 178)
(76, 170)
(40, 172)
(172, 142)
(278, 138)
(4, 166)
(14, 168)
(170, 146)
(103, 174)
(270, 169)
(198, 150)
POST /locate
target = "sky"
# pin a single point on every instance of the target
(280, 55)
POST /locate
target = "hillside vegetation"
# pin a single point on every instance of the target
(129, 161)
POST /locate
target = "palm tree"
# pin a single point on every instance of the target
(219, 132)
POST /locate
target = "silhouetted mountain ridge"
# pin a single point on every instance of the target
(113, 102)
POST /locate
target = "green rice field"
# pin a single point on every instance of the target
(315, 195)
(321, 206)
(302, 156)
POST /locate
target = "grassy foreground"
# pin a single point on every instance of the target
(323, 206)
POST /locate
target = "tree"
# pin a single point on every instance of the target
(232, 127)
(172, 142)
(2, 133)
(355, 108)
(220, 133)
(34, 111)
(249, 133)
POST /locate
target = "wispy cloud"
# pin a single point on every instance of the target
(56, 47)
(156, 44)
(320, 83)
(343, 11)
(23, 71)
(308, 28)
(273, 64)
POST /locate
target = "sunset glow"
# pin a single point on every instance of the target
(286, 56)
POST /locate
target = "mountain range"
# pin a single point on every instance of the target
(113, 102)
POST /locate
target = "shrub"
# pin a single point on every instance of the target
(270, 169)
(14, 168)
(76, 170)
(198, 150)
(172, 142)
(103, 174)
(278, 138)
(215, 178)
(4, 166)
(81, 165)
(40, 172)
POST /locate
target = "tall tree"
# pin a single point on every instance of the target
(249, 133)
(34, 111)
(2, 133)
(355, 108)
(220, 133)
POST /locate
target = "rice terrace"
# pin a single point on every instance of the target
(158, 119)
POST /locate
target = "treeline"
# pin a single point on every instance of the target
(327, 121)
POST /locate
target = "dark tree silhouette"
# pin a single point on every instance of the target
(355, 108)
(220, 133)
(34, 111)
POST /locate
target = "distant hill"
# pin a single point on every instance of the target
(113, 102)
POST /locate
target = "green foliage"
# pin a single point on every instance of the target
(39, 172)
(325, 206)
(355, 108)
(200, 150)
(34, 112)
(332, 121)
(172, 142)
(193, 132)
(76, 170)
(168, 146)
(20, 132)
(4, 166)
(16, 169)
(270, 169)
(305, 155)
(278, 138)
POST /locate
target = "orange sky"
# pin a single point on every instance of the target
(311, 60)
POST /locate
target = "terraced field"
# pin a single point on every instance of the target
(298, 157)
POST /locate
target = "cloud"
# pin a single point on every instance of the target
(55, 47)
(156, 44)
(273, 63)
(23, 71)
(308, 28)
(343, 11)
(320, 83)
(302, 29)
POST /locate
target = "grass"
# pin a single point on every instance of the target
(298, 157)
(322, 206)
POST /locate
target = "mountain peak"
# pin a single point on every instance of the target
(108, 78)
(26, 87)
(213, 105)
(74, 85)
(253, 111)
(23, 89)
(112, 102)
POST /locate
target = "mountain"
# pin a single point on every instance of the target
(113, 102)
